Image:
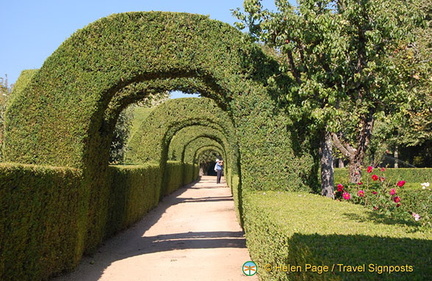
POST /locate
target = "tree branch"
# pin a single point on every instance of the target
(345, 148)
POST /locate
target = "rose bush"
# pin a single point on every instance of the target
(384, 196)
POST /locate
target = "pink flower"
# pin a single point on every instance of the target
(346, 196)
(374, 192)
(416, 216)
(369, 169)
(375, 177)
(360, 193)
(340, 188)
(396, 199)
(359, 183)
(382, 179)
(401, 183)
(382, 169)
(392, 191)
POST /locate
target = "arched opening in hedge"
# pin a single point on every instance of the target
(66, 114)
(153, 139)
(212, 151)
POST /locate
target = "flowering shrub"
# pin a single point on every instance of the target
(383, 196)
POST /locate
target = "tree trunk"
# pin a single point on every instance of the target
(356, 155)
(363, 140)
(355, 166)
(327, 181)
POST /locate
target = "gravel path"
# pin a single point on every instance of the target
(193, 234)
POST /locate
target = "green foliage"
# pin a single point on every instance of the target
(133, 191)
(41, 221)
(396, 193)
(139, 115)
(120, 136)
(297, 229)
(6, 91)
(24, 80)
(46, 213)
(410, 175)
(174, 175)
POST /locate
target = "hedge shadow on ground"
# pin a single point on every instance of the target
(94, 265)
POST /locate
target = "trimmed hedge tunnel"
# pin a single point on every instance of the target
(181, 143)
(65, 115)
(183, 146)
(169, 119)
(174, 118)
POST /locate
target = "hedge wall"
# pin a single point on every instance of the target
(288, 233)
(410, 175)
(134, 190)
(42, 221)
(46, 213)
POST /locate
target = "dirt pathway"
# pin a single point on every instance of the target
(192, 235)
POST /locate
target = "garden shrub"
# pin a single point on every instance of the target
(41, 221)
(134, 190)
(173, 178)
(385, 192)
(190, 173)
(297, 229)
(410, 175)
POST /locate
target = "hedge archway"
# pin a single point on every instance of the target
(66, 114)
(185, 136)
(153, 139)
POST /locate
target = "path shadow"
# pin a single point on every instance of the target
(92, 267)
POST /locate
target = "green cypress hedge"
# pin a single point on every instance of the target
(42, 221)
(410, 175)
(46, 213)
(134, 190)
(174, 176)
(289, 232)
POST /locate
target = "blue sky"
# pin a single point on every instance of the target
(32, 30)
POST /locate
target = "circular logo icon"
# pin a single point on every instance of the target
(249, 268)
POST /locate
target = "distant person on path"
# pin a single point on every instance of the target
(218, 169)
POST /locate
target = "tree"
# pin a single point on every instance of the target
(339, 55)
(412, 125)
